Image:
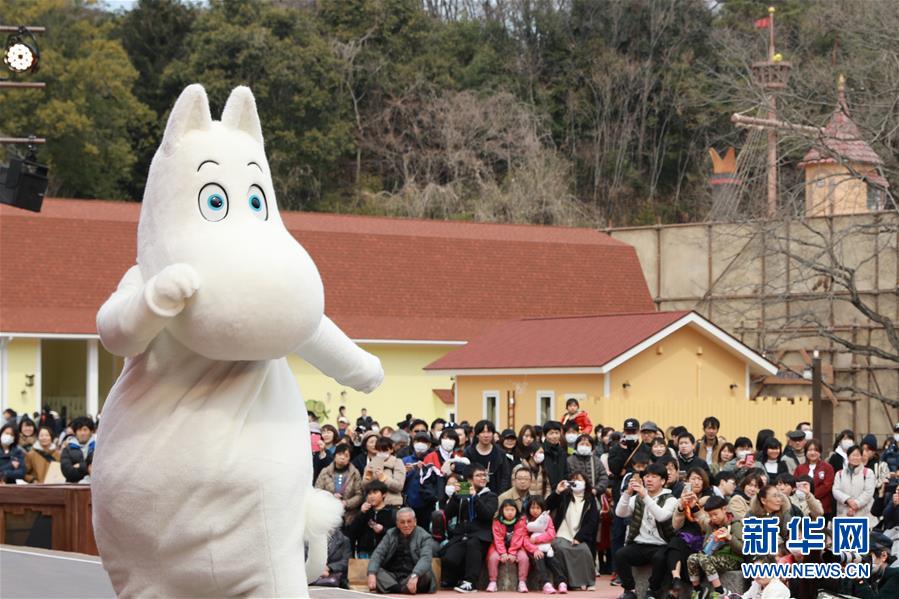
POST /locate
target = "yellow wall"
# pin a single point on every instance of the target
(832, 189)
(21, 359)
(471, 395)
(675, 387)
(406, 387)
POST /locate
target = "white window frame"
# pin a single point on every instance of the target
(552, 405)
(495, 416)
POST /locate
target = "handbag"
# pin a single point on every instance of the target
(334, 580)
(693, 540)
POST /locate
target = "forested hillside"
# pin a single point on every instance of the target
(539, 111)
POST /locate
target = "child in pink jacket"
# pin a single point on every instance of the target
(547, 565)
(509, 534)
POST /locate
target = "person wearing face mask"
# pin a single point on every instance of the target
(437, 426)
(574, 413)
(570, 434)
(12, 458)
(388, 469)
(555, 462)
(794, 454)
(820, 472)
(853, 487)
(884, 580)
(540, 481)
(421, 488)
(584, 460)
(841, 445)
(42, 454)
(446, 450)
(576, 520)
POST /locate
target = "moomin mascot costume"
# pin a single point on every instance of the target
(202, 484)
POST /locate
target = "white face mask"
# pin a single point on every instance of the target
(584, 450)
(383, 455)
(570, 438)
(808, 435)
(448, 444)
(631, 437)
(578, 486)
(420, 447)
(450, 489)
(800, 495)
(846, 444)
(538, 458)
(896, 436)
(7, 440)
(741, 455)
(375, 429)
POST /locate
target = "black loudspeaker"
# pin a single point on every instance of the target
(23, 184)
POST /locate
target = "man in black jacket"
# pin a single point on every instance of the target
(473, 532)
(483, 452)
(73, 459)
(686, 455)
(555, 462)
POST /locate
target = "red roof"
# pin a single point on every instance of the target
(569, 342)
(841, 140)
(447, 396)
(385, 278)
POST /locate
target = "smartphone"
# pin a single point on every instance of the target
(464, 487)
(750, 459)
(682, 475)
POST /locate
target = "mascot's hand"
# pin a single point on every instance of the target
(367, 377)
(168, 291)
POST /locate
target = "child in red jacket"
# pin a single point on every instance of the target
(509, 533)
(574, 412)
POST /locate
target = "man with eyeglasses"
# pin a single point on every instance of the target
(521, 487)
(463, 557)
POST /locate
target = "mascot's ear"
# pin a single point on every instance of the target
(191, 111)
(240, 113)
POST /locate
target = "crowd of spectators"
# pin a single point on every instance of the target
(561, 502)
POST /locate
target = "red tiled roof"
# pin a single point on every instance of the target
(842, 140)
(445, 395)
(385, 278)
(568, 342)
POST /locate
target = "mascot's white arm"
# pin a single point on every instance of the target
(335, 354)
(137, 312)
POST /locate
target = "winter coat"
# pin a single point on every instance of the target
(420, 546)
(340, 552)
(352, 492)
(37, 463)
(586, 532)
(417, 493)
(823, 478)
(555, 463)
(592, 469)
(738, 506)
(885, 587)
(519, 533)
(582, 419)
(9, 472)
(890, 455)
(71, 456)
(546, 537)
(498, 466)
(361, 534)
(474, 522)
(392, 472)
(809, 505)
(858, 484)
(684, 464)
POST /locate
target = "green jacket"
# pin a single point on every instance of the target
(421, 547)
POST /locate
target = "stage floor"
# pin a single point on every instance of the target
(26, 572)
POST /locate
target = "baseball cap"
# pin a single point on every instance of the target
(343, 419)
(649, 425)
(508, 434)
(631, 424)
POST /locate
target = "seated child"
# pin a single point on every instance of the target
(721, 550)
(508, 541)
(537, 529)
(543, 561)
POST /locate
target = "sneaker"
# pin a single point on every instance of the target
(464, 587)
(628, 595)
(563, 588)
(718, 593)
(522, 586)
(491, 586)
(592, 587)
(548, 589)
(616, 580)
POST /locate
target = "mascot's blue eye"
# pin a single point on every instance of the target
(213, 201)
(255, 203)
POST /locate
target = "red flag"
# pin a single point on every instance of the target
(762, 23)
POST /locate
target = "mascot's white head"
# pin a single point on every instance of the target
(210, 203)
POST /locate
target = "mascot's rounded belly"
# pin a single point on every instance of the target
(206, 479)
